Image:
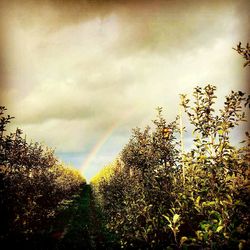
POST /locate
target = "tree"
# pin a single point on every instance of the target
(152, 207)
(33, 185)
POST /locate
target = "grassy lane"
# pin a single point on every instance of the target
(84, 228)
(75, 232)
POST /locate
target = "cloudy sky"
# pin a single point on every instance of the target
(79, 75)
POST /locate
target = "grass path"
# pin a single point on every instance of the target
(83, 226)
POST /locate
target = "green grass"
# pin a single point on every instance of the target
(84, 225)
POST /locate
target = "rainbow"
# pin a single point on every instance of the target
(96, 148)
(106, 135)
(102, 140)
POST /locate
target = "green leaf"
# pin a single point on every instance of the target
(199, 235)
(197, 201)
(219, 228)
(229, 199)
(183, 239)
(176, 218)
(166, 217)
(208, 204)
(220, 132)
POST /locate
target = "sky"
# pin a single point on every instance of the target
(79, 75)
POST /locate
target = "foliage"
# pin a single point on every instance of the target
(34, 185)
(104, 176)
(150, 203)
(244, 52)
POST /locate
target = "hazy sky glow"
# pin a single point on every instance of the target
(79, 75)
